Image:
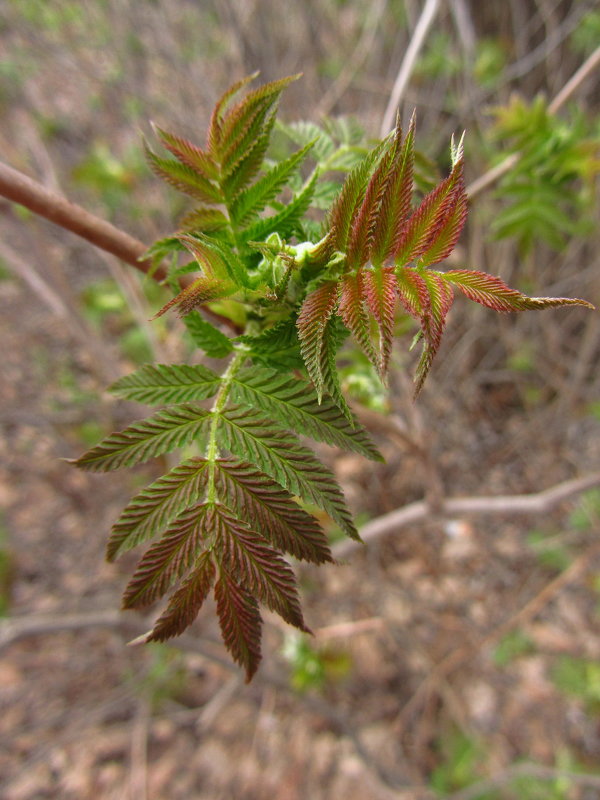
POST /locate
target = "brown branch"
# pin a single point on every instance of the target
(538, 503)
(29, 193)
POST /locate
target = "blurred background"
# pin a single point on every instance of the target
(454, 657)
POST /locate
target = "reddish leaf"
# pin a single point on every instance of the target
(381, 293)
(203, 290)
(257, 566)
(168, 559)
(188, 153)
(353, 312)
(495, 294)
(423, 226)
(270, 509)
(312, 323)
(184, 178)
(446, 236)
(396, 198)
(240, 621)
(186, 602)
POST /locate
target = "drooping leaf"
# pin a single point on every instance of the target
(160, 384)
(240, 621)
(258, 566)
(162, 432)
(205, 336)
(352, 310)
(312, 321)
(252, 436)
(381, 294)
(492, 292)
(168, 559)
(250, 202)
(156, 506)
(294, 404)
(186, 602)
(271, 510)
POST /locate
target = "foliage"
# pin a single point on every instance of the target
(228, 513)
(550, 193)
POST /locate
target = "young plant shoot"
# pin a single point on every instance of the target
(224, 518)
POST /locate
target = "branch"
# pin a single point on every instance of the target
(428, 14)
(502, 505)
(29, 193)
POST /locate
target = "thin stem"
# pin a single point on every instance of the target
(212, 449)
(417, 40)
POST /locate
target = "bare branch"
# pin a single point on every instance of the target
(29, 193)
(538, 503)
(428, 14)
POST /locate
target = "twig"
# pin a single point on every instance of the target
(537, 771)
(138, 770)
(417, 40)
(570, 87)
(29, 193)
(538, 503)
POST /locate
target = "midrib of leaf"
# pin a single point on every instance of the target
(212, 448)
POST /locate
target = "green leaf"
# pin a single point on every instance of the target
(168, 559)
(250, 202)
(204, 220)
(270, 510)
(184, 178)
(205, 336)
(260, 568)
(186, 602)
(156, 506)
(167, 383)
(286, 220)
(162, 432)
(240, 621)
(277, 347)
(217, 258)
(294, 403)
(252, 436)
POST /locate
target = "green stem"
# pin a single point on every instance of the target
(212, 449)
